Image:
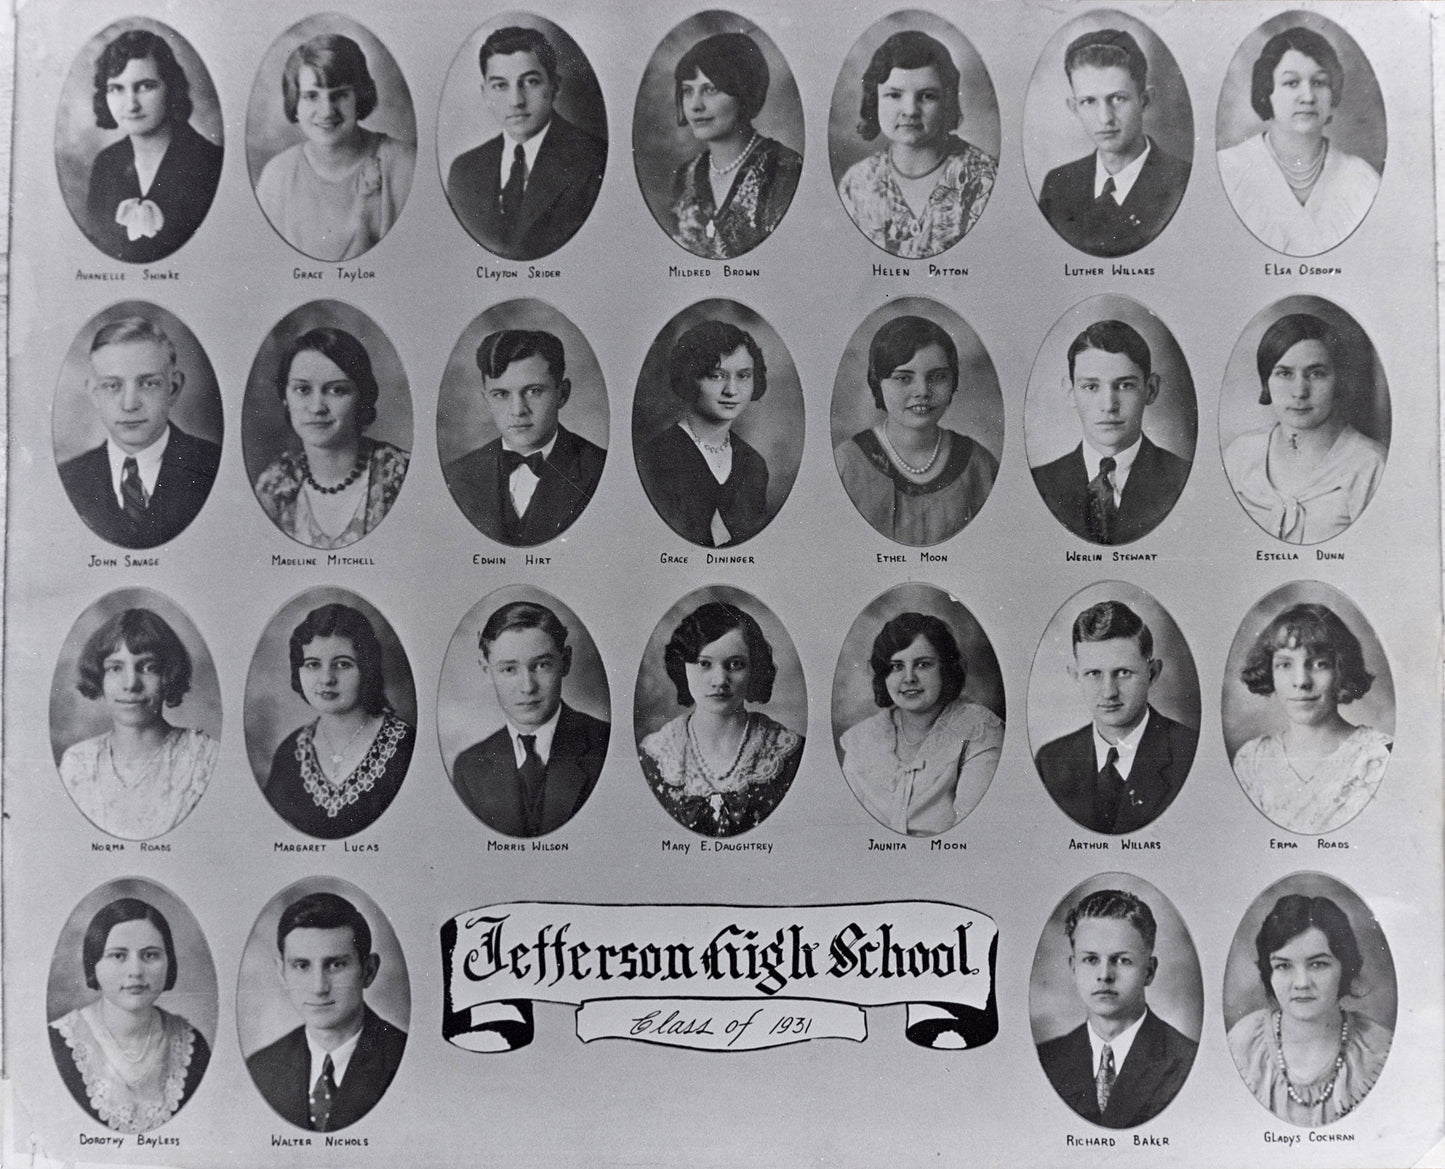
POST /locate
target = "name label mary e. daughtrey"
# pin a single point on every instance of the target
(719, 977)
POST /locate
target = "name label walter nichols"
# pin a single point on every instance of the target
(719, 977)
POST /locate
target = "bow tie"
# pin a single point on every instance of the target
(511, 460)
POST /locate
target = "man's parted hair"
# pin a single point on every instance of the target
(1114, 903)
(1109, 620)
(130, 329)
(1112, 337)
(522, 615)
(324, 911)
(515, 39)
(500, 349)
(1108, 48)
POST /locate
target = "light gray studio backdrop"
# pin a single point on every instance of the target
(816, 567)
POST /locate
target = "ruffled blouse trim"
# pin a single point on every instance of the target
(332, 798)
(120, 1106)
(765, 756)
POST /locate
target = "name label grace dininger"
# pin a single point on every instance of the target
(733, 954)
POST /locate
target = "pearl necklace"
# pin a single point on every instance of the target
(717, 780)
(719, 171)
(124, 1054)
(1300, 176)
(361, 460)
(1339, 1061)
(909, 467)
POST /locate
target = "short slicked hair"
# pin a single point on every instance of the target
(1112, 337)
(1108, 48)
(503, 42)
(1117, 904)
(500, 349)
(324, 911)
(522, 615)
(1109, 620)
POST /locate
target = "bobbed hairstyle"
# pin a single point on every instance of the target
(134, 45)
(703, 626)
(1113, 337)
(897, 635)
(1284, 335)
(117, 912)
(896, 342)
(1109, 620)
(1108, 48)
(701, 349)
(498, 350)
(343, 621)
(142, 632)
(1291, 916)
(337, 60)
(128, 329)
(908, 50)
(1317, 630)
(733, 62)
(347, 354)
(1302, 40)
(519, 615)
(324, 911)
(503, 42)
(1114, 903)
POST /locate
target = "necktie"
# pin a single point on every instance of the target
(516, 184)
(511, 460)
(1108, 191)
(322, 1095)
(1101, 510)
(1104, 1080)
(533, 772)
(132, 491)
(1108, 792)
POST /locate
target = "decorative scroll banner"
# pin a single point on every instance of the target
(719, 977)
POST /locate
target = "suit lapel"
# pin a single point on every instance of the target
(549, 177)
(1077, 1088)
(1136, 1077)
(565, 778)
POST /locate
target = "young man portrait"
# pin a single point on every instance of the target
(526, 192)
(533, 774)
(530, 483)
(149, 479)
(1122, 768)
(1124, 1064)
(1116, 486)
(1121, 196)
(333, 1069)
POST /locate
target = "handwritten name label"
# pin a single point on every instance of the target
(1304, 270)
(1282, 844)
(106, 846)
(489, 561)
(947, 846)
(1321, 554)
(715, 558)
(886, 270)
(278, 1141)
(1126, 844)
(892, 558)
(933, 558)
(1321, 842)
(1088, 845)
(1260, 554)
(279, 561)
(529, 558)
(946, 270)
(735, 846)
(1085, 557)
(335, 561)
(285, 846)
(505, 846)
(82, 274)
(352, 846)
(687, 273)
(307, 273)
(1073, 1142)
(536, 273)
(670, 558)
(485, 273)
(123, 561)
(886, 845)
(147, 846)
(148, 274)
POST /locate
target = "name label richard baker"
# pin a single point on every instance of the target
(620, 963)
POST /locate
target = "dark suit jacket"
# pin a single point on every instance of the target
(282, 1073)
(188, 468)
(485, 776)
(560, 192)
(569, 477)
(1103, 227)
(1158, 1063)
(1069, 771)
(1155, 481)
